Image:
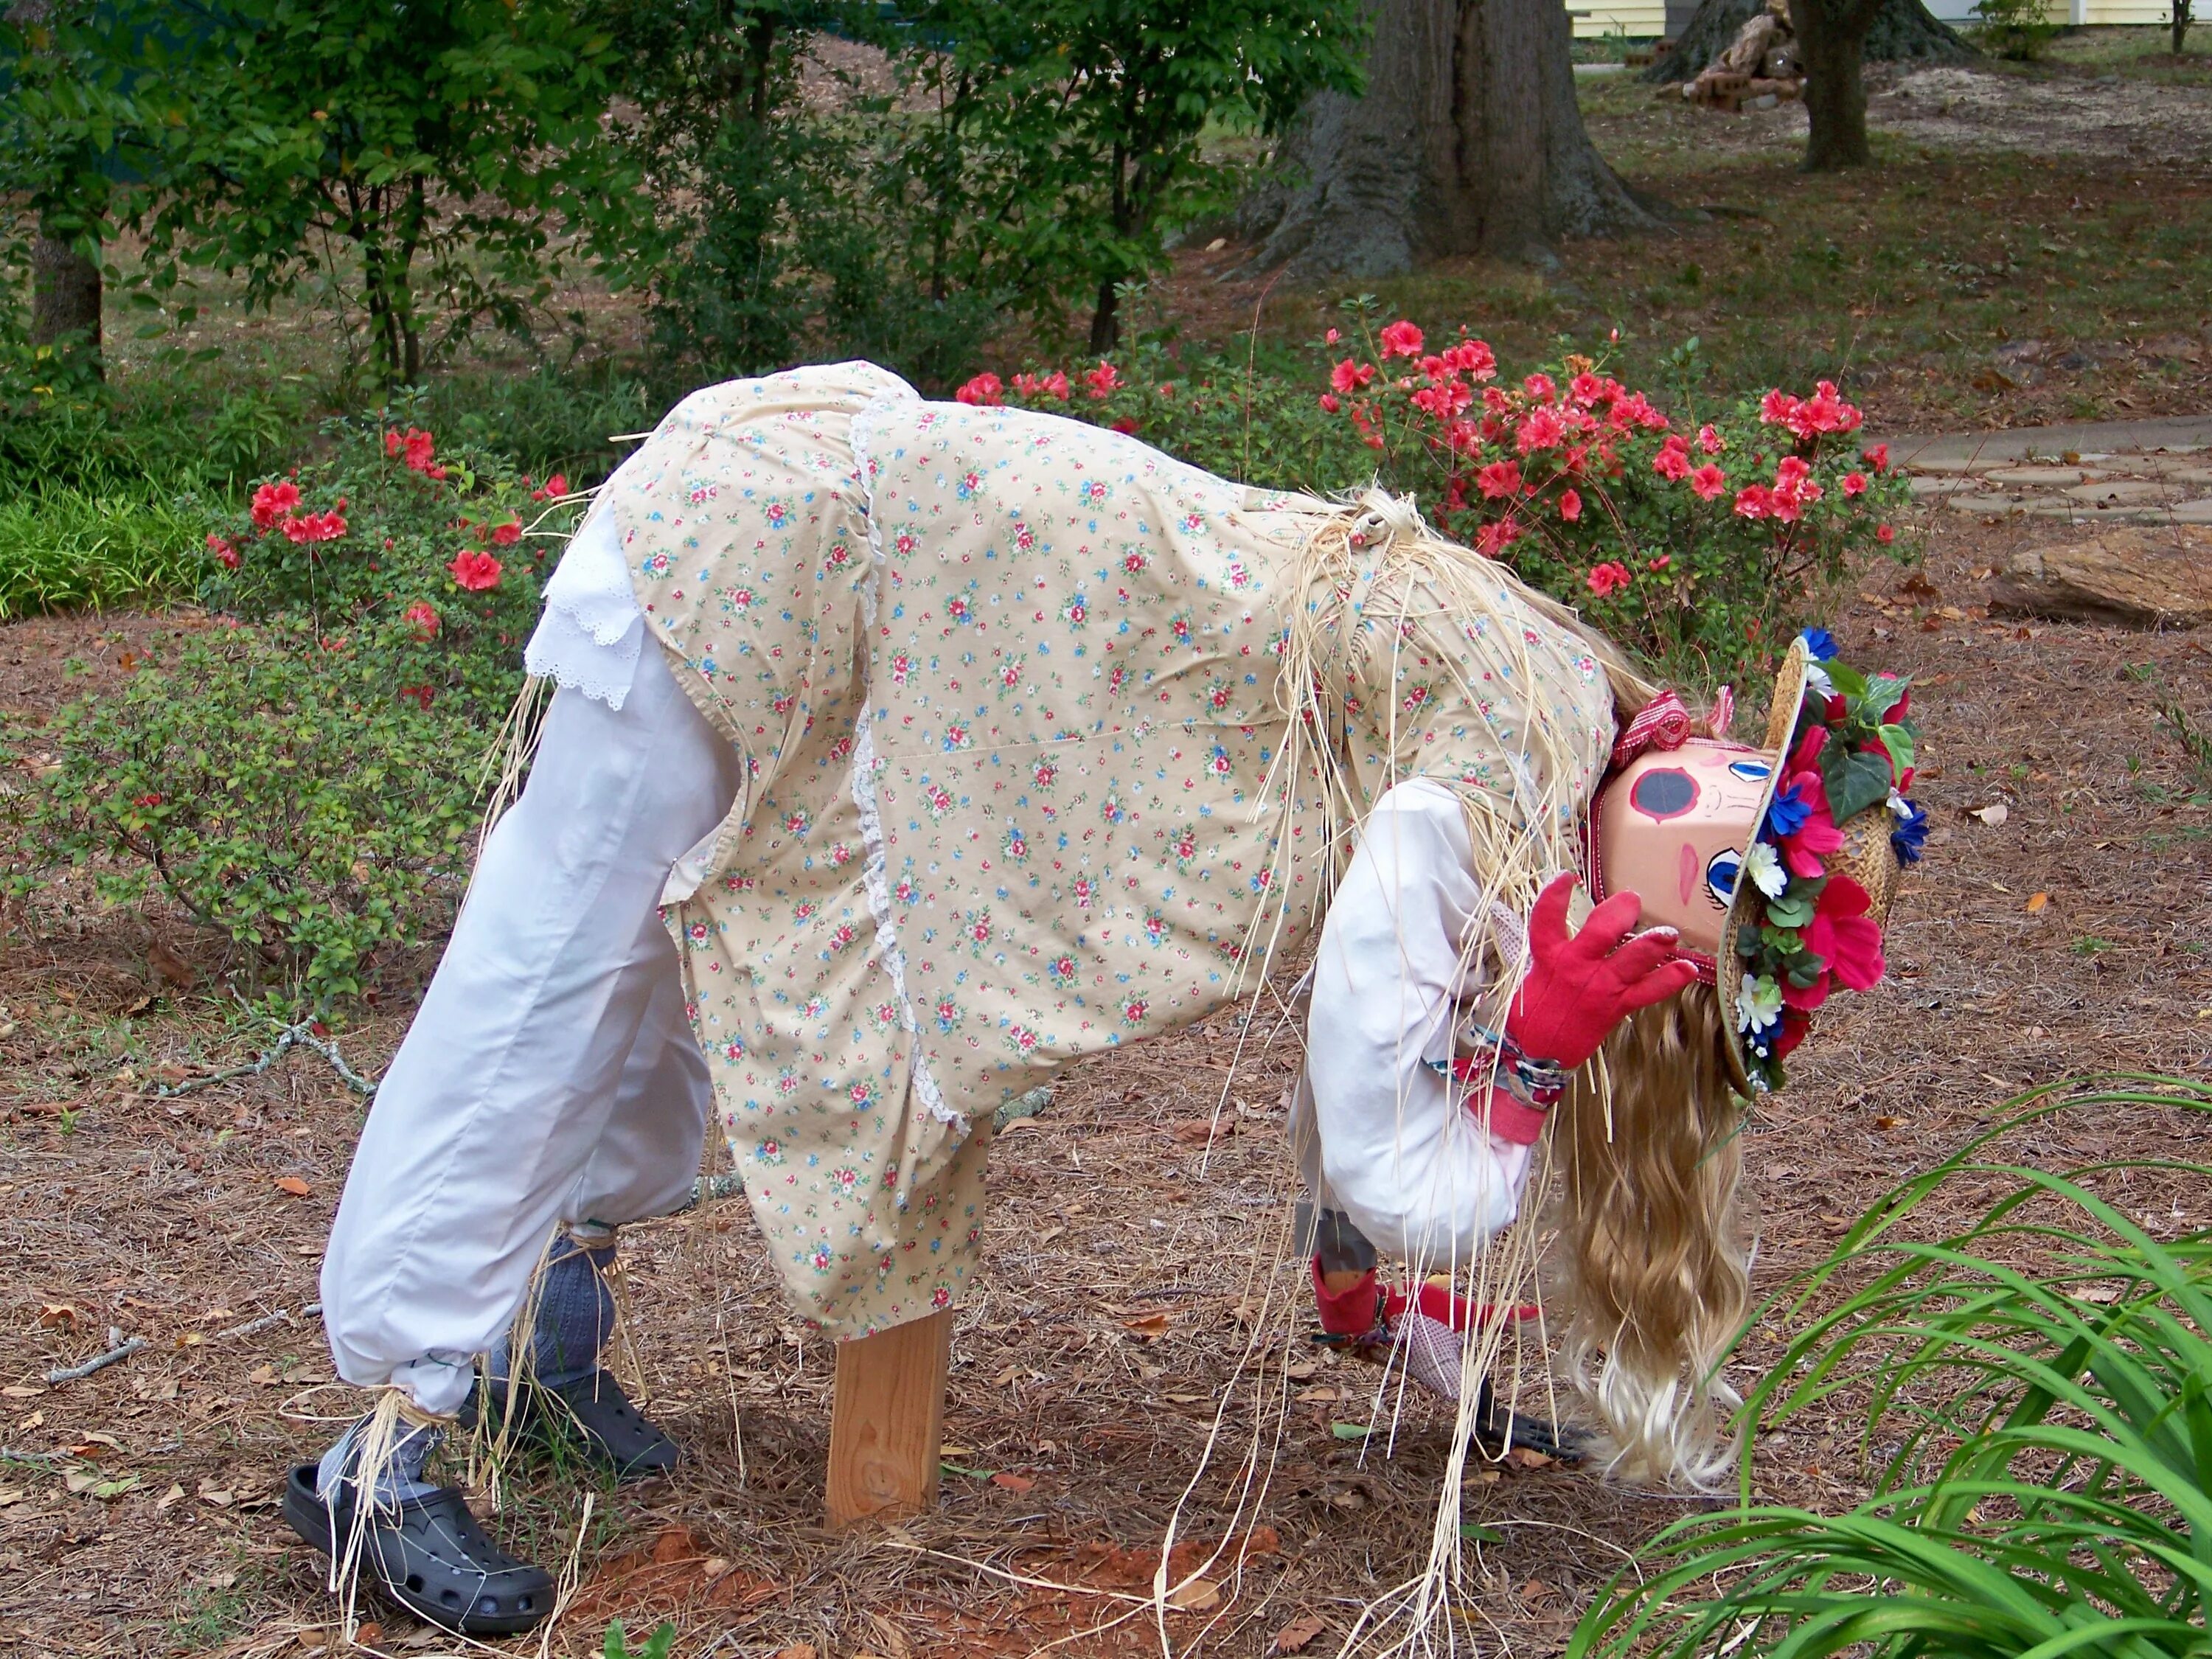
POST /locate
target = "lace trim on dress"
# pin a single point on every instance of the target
(875, 880)
(591, 633)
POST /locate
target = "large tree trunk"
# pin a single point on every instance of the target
(1903, 29)
(1468, 140)
(1832, 40)
(64, 296)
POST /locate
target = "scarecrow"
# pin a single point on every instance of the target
(904, 752)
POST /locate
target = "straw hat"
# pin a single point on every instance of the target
(1873, 852)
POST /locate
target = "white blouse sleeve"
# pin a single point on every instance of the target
(1413, 1170)
(590, 635)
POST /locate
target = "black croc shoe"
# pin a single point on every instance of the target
(594, 1413)
(427, 1554)
(1497, 1432)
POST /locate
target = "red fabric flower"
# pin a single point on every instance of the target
(475, 570)
(1842, 935)
(1794, 1024)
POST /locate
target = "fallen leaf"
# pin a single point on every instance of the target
(2036, 901)
(1885, 1122)
(1198, 1130)
(21, 1391)
(108, 1490)
(1016, 1128)
(1320, 1393)
(10, 1495)
(1527, 1457)
(1008, 1482)
(221, 1497)
(1194, 1596)
(799, 1649)
(1348, 1430)
(57, 1315)
(1994, 814)
(263, 1377)
(1146, 1327)
(369, 1633)
(174, 1493)
(1294, 1636)
(293, 1185)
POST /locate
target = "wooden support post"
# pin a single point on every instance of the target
(887, 1420)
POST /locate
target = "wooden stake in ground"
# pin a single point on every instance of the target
(887, 1421)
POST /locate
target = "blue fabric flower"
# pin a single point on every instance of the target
(1912, 832)
(1821, 643)
(1786, 813)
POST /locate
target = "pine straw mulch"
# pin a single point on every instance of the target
(1122, 1284)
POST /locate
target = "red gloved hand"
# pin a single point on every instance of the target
(1580, 986)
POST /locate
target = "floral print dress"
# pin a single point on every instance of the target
(1007, 689)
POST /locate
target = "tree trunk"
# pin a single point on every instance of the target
(65, 295)
(1468, 140)
(1832, 40)
(1903, 29)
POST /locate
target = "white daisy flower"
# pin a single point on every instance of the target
(1759, 1004)
(1764, 866)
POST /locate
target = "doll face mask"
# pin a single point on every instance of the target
(1671, 827)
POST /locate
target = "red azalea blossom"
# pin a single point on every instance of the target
(1711, 441)
(1877, 456)
(1494, 538)
(556, 485)
(1499, 481)
(506, 535)
(146, 800)
(1542, 429)
(225, 552)
(1571, 506)
(1401, 339)
(1471, 358)
(1608, 578)
(1755, 502)
(1330, 402)
(1541, 386)
(1331, 337)
(273, 503)
(985, 391)
(1855, 484)
(1102, 380)
(1884, 534)
(1660, 562)
(421, 694)
(315, 527)
(423, 619)
(1350, 376)
(1709, 482)
(475, 570)
(1127, 425)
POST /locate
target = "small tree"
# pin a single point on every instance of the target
(1142, 80)
(2180, 22)
(384, 149)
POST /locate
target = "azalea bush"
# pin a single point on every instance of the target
(391, 528)
(1700, 538)
(306, 776)
(283, 787)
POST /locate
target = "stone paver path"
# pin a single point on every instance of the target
(2112, 472)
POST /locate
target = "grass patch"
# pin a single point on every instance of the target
(61, 548)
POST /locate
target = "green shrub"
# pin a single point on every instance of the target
(61, 547)
(281, 786)
(2018, 29)
(2041, 1387)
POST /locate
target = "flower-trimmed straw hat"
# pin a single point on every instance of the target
(1777, 862)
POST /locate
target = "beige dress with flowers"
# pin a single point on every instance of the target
(1007, 689)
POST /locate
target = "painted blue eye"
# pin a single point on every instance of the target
(1721, 871)
(1752, 771)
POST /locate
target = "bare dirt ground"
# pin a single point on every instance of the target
(1128, 1261)
(1988, 107)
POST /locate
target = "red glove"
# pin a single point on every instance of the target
(1580, 986)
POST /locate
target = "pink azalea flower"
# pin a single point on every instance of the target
(1401, 339)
